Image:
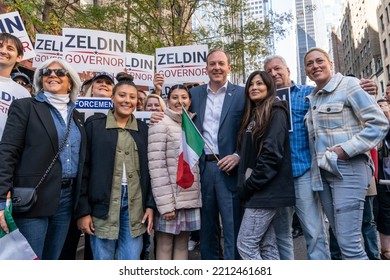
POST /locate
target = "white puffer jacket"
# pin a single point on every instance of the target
(163, 155)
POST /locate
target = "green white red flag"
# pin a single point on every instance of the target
(13, 245)
(191, 147)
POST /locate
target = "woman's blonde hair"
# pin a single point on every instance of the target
(160, 100)
(318, 50)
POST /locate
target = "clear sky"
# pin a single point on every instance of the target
(287, 46)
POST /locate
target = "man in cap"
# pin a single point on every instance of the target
(23, 80)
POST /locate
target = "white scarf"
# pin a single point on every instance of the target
(60, 102)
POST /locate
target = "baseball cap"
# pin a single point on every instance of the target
(21, 75)
(103, 75)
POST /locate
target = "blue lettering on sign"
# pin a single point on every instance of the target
(93, 103)
(89, 42)
(9, 25)
(48, 45)
(180, 58)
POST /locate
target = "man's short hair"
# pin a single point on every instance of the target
(218, 50)
(269, 58)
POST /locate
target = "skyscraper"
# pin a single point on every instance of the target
(310, 30)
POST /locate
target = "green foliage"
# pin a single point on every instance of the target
(246, 38)
(151, 24)
(28, 10)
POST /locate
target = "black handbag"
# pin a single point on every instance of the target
(23, 198)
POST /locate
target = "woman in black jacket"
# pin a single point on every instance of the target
(34, 132)
(265, 180)
(116, 203)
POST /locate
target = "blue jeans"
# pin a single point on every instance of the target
(308, 209)
(283, 229)
(256, 239)
(369, 232)
(47, 235)
(123, 248)
(343, 203)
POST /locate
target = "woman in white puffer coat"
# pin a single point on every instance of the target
(178, 208)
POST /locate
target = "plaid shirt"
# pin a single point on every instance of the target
(342, 114)
(299, 140)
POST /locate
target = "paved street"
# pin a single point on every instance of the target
(299, 250)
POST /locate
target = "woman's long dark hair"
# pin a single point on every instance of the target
(260, 112)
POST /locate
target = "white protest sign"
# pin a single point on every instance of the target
(46, 47)
(90, 106)
(94, 50)
(13, 24)
(141, 67)
(183, 64)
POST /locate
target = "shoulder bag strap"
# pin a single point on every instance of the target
(58, 152)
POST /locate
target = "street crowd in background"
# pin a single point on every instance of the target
(114, 178)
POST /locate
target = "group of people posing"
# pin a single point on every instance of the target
(115, 176)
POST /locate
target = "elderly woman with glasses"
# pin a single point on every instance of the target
(38, 129)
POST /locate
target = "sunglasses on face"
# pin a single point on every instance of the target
(59, 72)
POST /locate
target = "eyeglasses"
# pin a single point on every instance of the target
(59, 72)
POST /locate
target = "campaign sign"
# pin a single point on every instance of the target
(13, 24)
(182, 64)
(284, 94)
(90, 106)
(141, 67)
(46, 47)
(94, 50)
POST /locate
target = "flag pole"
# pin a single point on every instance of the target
(208, 146)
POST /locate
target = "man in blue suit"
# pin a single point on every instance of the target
(219, 106)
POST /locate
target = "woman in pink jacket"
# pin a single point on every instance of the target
(178, 208)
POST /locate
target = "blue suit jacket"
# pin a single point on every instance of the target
(232, 111)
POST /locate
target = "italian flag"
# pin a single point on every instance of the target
(13, 245)
(191, 147)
